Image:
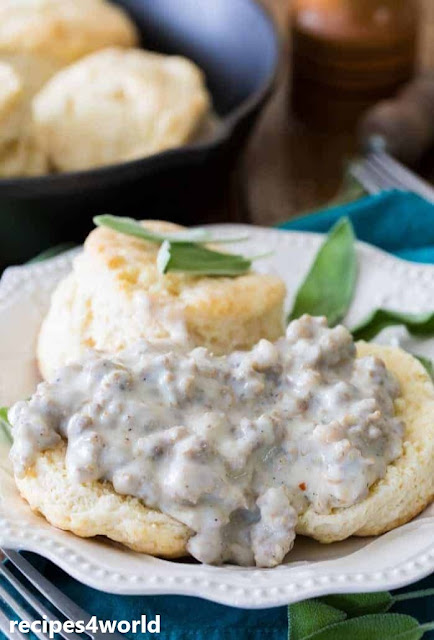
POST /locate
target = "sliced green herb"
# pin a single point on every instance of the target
(198, 260)
(305, 618)
(131, 227)
(5, 427)
(418, 324)
(329, 286)
(52, 252)
(359, 604)
(385, 626)
(183, 251)
(325, 618)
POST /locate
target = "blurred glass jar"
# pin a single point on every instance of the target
(348, 54)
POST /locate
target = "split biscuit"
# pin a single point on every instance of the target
(94, 508)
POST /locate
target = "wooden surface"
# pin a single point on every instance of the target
(289, 168)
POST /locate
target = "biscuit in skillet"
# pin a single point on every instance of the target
(22, 76)
(63, 30)
(118, 105)
(37, 38)
(31, 72)
(23, 158)
(10, 90)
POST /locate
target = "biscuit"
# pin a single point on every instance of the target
(32, 72)
(11, 89)
(37, 38)
(407, 488)
(115, 296)
(22, 158)
(95, 509)
(118, 105)
(19, 152)
(63, 30)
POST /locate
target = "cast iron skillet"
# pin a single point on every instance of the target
(236, 44)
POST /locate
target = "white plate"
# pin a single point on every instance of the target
(392, 560)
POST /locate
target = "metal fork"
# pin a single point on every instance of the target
(66, 608)
(377, 171)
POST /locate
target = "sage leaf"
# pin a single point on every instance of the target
(183, 251)
(52, 252)
(358, 604)
(385, 626)
(329, 286)
(131, 227)
(418, 324)
(305, 618)
(5, 427)
(197, 260)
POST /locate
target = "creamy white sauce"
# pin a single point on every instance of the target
(236, 446)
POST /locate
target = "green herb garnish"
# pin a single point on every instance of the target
(418, 324)
(359, 616)
(184, 251)
(310, 616)
(131, 227)
(388, 626)
(329, 286)
(198, 260)
(5, 427)
(52, 252)
(360, 604)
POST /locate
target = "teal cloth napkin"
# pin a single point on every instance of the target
(397, 222)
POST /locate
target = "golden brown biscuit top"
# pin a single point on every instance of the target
(132, 263)
(63, 29)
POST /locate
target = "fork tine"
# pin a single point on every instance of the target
(13, 604)
(401, 176)
(359, 171)
(382, 178)
(64, 604)
(4, 628)
(377, 171)
(48, 590)
(33, 601)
